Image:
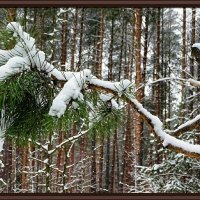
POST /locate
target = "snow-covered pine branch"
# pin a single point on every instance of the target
(194, 82)
(187, 126)
(25, 56)
(32, 58)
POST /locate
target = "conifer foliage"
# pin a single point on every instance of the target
(82, 110)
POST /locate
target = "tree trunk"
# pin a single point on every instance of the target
(73, 48)
(183, 73)
(7, 160)
(127, 178)
(132, 43)
(145, 49)
(100, 138)
(157, 72)
(107, 175)
(191, 58)
(93, 166)
(139, 123)
(25, 16)
(113, 186)
(81, 40)
(100, 46)
(110, 78)
(72, 156)
(42, 17)
(121, 46)
(64, 41)
(48, 162)
(24, 164)
(110, 59)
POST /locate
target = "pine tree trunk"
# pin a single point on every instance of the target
(93, 166)
(183, 73)
(192, 59)
(48, 162)
(64, 41)
(121, 46)
(60, 161)
(139, 123)
(7, 160)
(14, 167)
(25, 16)
(127, 178)
(157, 76)
(107, 175)
(113, 186)
(42, 17)
(157, 72)
(53, 25)
(59, 158)
(132, 43)
(82, 153)
(100, 46)
(24, 163)
(110, 78)
(72, 155)
(81, 40)
(146, 32)
(110, 59)
(100, 139)
(73, 48)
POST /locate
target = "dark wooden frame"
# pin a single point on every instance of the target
(99, 3)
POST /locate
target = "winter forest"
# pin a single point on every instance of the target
(99, 100)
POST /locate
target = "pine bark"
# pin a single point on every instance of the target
(132, 43)
(24, 164)
(42, 21)
(64, 34)
(93, 166)
(127, 178)
(110, 78)
(157, 66)
(113, 185)
(139, 123)
(81, 40)
(121, 46)
(74, 40)
(100, 138)
(191, 106)
(183, 72)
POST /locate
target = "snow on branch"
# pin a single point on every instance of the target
(158, 129)
(187, 126)
(71, 91)
(25, 55)
(197, 45)
(194, 82)
(154, 122)
(14, 66)
(168, 141)
(195, 52)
